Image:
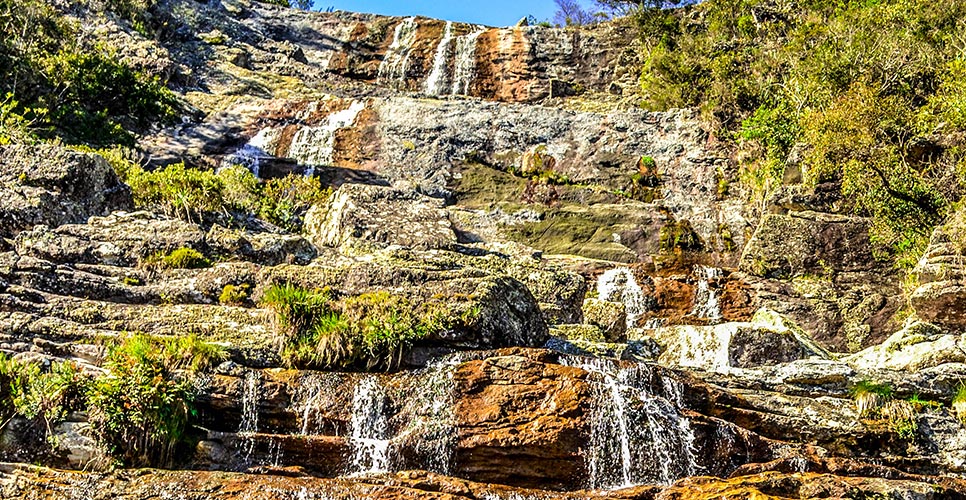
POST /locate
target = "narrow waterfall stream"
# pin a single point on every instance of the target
(437, 82)
(369, 428)
(636, 437)
(313, 146)
(392, 70)
(619, 285)
(249, 417)
(706, 304)
(464, 67)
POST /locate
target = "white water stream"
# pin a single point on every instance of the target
(636, 437)
(369, 428)
(706, 304)
(619, 285)
(392, 70)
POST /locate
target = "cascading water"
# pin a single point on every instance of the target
(251, 154)
(369, 428)
(635, 437)
(313, 146)
(437, 82)
(464, 67)
(430, 430)
(619, 285)
(392, 70)
(705, 298)
(249, 417)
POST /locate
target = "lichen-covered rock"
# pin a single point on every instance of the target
(812, 243)
(917, 346)
(377, 216)
(941, 296)
(768, 339)
(611, 317)
(265, 248)
(120, 239)
(51, 185)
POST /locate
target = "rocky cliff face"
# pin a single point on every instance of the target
(630, 324)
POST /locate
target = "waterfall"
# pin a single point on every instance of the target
(436, 82)
(314, 146)
(619, 285)
(249, 417)
(369, 427)
(251, 154)
(636, 437)
(392, 70)
(465, 65)
(431, 422)
(705, 298)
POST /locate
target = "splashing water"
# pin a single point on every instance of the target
(619, 285)
(369, 427)
(313, 146)
(705, 298)
(392, 70)
(635, 437)
(436, 82)
(465, 65)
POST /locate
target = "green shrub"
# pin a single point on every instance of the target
(142, 409)
(177, 190)
(42, 396)
(186, 258)
(296, 309)
(285, 201)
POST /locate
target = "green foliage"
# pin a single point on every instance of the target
(177, 190)
(42, 396)
(870, 397)
(296, 309)
(189, 193)
(185, 258)
(872, 91)
(960, 396)
(233, 295)
(370, 331)
(60, 88)
(140, 412)
(678, 236)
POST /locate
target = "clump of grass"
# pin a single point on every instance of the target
(901, 416)
(141, 411)
(366, 332)
(959, 402)
(870, 397)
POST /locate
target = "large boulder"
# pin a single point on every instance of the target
(915, 347)
(378, 216)
(810, 243)
(51, 185)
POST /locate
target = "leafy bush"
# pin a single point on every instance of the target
(142, 409)
(42, 396)
(869, 93)
(66, 90)
(296, 309)
(189, 193)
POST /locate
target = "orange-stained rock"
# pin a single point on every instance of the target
(517, 410)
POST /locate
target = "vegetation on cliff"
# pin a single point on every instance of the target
(866, 94)
(54, 84)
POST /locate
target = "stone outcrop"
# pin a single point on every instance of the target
(51, 185)
(360, 215)
(940, 296)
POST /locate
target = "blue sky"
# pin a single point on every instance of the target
(489, 12)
